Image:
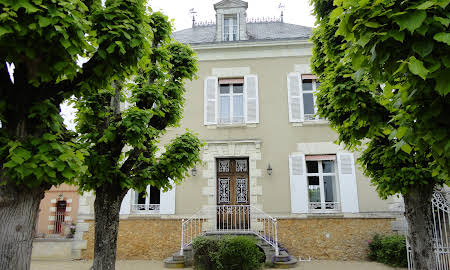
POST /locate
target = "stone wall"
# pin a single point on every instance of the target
(152, 239)
(331, 238)
(318, 238)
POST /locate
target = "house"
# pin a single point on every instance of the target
(269, 164)
(57, 211)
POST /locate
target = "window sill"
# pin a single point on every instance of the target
(237, 125)
(311, 123)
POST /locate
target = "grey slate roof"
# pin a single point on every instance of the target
(255, 31)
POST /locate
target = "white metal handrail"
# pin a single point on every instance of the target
(230, 219)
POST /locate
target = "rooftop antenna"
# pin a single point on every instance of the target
(281, 7)
(193, 12)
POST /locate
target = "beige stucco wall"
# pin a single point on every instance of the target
(277, 135)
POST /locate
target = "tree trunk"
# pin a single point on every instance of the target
(107, 208)
(420, 226)
(18, 211)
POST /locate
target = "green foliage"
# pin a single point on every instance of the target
(390, 250)
(382, 80)
(205, 250)
(44, 40)
(408, 51)
(228, 253)
(238, 253)
(123, 142)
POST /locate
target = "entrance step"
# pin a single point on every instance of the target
(284, 260)
(171, 263)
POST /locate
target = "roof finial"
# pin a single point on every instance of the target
(281, 7)
(193, 12)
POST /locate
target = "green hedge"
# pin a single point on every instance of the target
(390, 250)
(228, 253)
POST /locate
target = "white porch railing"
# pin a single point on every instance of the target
(230, 219)
(324, 207)
(147, 208)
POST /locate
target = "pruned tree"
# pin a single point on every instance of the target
(44, 40)
(384, 68)
(123, 141)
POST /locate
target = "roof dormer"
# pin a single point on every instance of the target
(231, 20)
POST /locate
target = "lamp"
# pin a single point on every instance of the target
(194, 171)
(269, 170)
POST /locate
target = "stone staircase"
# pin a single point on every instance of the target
(283, 260)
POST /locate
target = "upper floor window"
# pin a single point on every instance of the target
(231, 100)
(302, 101)
(147, 201)
(230, 28)
(310, 86)
(231, 104)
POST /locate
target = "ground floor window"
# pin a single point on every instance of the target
(322, 183)
(148, 201)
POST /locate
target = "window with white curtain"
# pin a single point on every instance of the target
(230, 28)
(231, 101)
(322, 182)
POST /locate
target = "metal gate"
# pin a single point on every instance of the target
(441, 231)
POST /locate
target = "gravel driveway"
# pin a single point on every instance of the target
(158, 265)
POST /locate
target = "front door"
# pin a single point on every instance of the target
(233, 205)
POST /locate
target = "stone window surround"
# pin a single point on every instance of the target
(250, 149)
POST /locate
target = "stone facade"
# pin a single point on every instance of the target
(318, 238)
(146, 239)
(331, 238)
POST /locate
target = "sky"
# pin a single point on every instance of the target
(295, 11)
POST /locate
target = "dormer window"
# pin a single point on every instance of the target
(230, 28)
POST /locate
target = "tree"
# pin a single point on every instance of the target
(384, 68)
(44, 41)
(123, 143)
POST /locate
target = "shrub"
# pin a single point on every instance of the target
(228, 253)
(204, 252)
(390, 250)
(238, 253)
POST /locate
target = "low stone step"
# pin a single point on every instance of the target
(170, 263)
(178, 258)
(282, 258)
(291, 263)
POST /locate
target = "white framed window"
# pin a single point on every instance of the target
(323, 183)
(230, 27)
(147, 202)
(302, 99)
(310, 84)
(323, 188)
(231, 103)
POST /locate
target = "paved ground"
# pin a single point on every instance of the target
(158, 265)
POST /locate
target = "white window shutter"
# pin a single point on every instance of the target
(125, 207)
(211, 93)
(251, 93)
(167, 201)
(295, 97)
(298, 183)
(347, 183)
